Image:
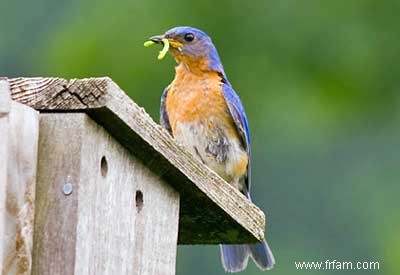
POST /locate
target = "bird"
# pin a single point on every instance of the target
(203, 113)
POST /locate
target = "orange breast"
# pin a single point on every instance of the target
(197, 98)
(199, 118)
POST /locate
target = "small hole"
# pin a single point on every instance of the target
(139, 200)
(103, 166)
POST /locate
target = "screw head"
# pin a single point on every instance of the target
(67, 187)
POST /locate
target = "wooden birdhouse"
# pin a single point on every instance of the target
(90, 184)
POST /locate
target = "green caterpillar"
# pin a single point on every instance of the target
(164, 50)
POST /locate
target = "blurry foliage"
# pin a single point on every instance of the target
(320, 83)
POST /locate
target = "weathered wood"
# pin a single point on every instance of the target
(3, 185)
(5, 103)
(5, 97)
(212, 211)
(56, 214)
(99, 210)
(18, 156)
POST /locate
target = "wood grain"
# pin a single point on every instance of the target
(211, 210)
(3, 185)
(59, 161)
(18, 142)
(5, 97)
(5, 103)
(103, 226)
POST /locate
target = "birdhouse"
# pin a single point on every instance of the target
(90, 184)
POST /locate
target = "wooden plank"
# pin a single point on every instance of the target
(3, 185)
(108, 212)
(56, 214)
(5, 97)
(5, 103)
(211, 210)
(18, 150)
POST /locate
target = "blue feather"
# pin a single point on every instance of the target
(238, 114)
(234, 257)
(164, 120)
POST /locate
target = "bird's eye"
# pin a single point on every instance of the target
(189, 37)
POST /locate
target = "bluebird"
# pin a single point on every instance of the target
(202, 112)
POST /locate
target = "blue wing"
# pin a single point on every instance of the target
(239, 118)
(164, 120)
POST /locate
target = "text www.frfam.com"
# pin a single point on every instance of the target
(333, 264)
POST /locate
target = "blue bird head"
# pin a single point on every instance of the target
(192, 47)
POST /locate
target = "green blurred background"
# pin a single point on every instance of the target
(319, 81)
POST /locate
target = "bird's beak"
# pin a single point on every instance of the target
(158, 39)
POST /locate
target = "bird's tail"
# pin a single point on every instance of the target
(235, 256)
